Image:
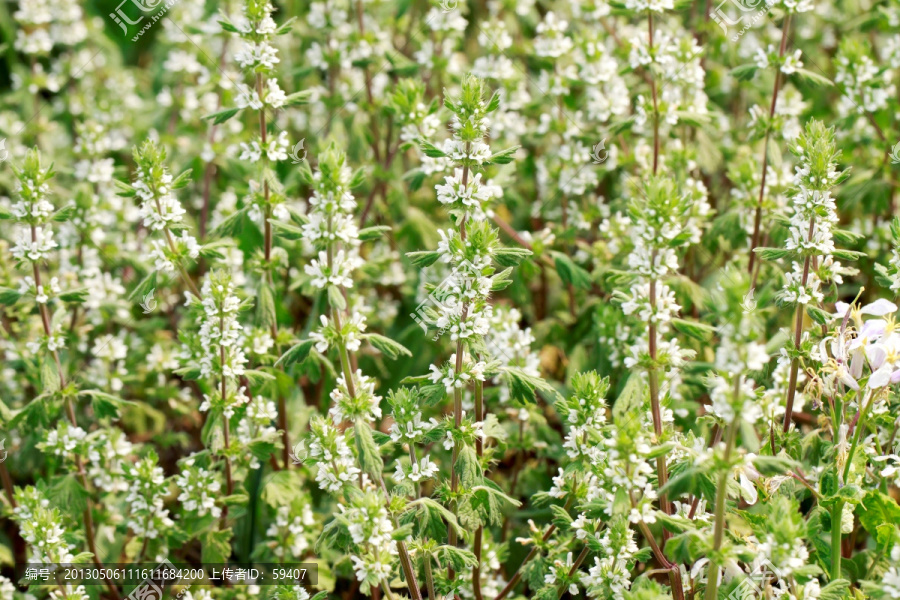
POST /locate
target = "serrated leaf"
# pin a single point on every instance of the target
(424, 258)
(279, 488)
(369, 456)
(387, 346)
(297, 353)
(215, 546)
(510, 257)
(694, 329)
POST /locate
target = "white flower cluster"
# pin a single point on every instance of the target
(865, 87)
(44, 24)
(371, 530)
(41, 526)
(160, 209)
(328, 449)
(148, 517)
(290, 532)
(199, 487)
(814, 217)
(220, 340)
(355, 399)
(332, 225)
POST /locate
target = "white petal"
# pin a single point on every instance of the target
(840, 309)
(879, 379)
(879, 308)
(876, 355)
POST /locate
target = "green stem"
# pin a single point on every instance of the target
(387, 590)
(836, 513)
(429, 578)
(721, 497)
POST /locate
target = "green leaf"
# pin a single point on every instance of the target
(501, 280)
(105, 405)
(231, 226)
(49, 375)
(64, 214)
(387, 346)
(744, 72)
(369, 454)
(286, 230)
(424, 258)
(146, 285)
(189, 373)
(82, 558)
(280, 488)
(630, 399)
(373, 233)
(9, 296)
(76, 296)
(510, 257)
(223, 115)
(848, 255)
(455, 557)
(214, 249)
(813, 78)
(769, 466)
(296, 353)
(432, 151)
(817, 314)
(504, 157)
(183, 179)
(69, 494)
(286, 26)
(257, 377)
(569, 272)
(265, 308)
(698, 331)
(432, 516)
(216, 546)
(522, 386)
(467, 467)
(772, 253)
(298, 98)
(879, 509)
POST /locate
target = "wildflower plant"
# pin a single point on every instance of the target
(448, 299)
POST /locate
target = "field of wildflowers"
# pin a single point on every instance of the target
(449, 299)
